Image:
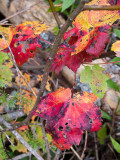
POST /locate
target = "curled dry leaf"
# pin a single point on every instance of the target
(67, 117)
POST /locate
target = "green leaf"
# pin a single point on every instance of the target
(5, 72)
(96, 77)
(117, 32)
(115, 60)
(57, 2)
(41, 139)
(102, 134)
(56, 30)
(105, 115)
(115, 144)
(3, 57)
(67, 4)
(57, 9)
(113, 85)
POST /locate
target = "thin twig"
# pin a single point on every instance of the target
(58, 153)
(113, 118)
(4, 145)
(63, 156)
(111, 149)
(78, 150)
(55, 14)
(101, 63)
(7, 137)
(28, 84)
(85, 145)
(76, 153)
(102, 7)
(55, 86)
(32, 67)
(46, 142)
(21, 156)
(21, 139)
(96, 147)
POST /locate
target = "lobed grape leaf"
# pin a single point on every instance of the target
(96, 77)
(68, 117)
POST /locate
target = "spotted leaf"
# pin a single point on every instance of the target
(67, 117)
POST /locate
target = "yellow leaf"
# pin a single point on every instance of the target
(34, 27)
(116, 48)
(26, 76)
(87, 19)
(39, 78)
(8, 34)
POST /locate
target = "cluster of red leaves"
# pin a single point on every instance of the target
(86, 51)
(25, 39)
(87, 40)
(68, 117)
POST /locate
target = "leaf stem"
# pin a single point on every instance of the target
(85, 145)
(55, 14)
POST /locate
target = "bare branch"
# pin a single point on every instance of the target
(76, 153)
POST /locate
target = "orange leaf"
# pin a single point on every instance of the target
(116, 48)
(8, 34)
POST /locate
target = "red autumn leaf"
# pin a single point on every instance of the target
(62, 57)
(68, 117)
(97, 43)
(95, 46)
(25, 40)
(76, 40)
(77, 59)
